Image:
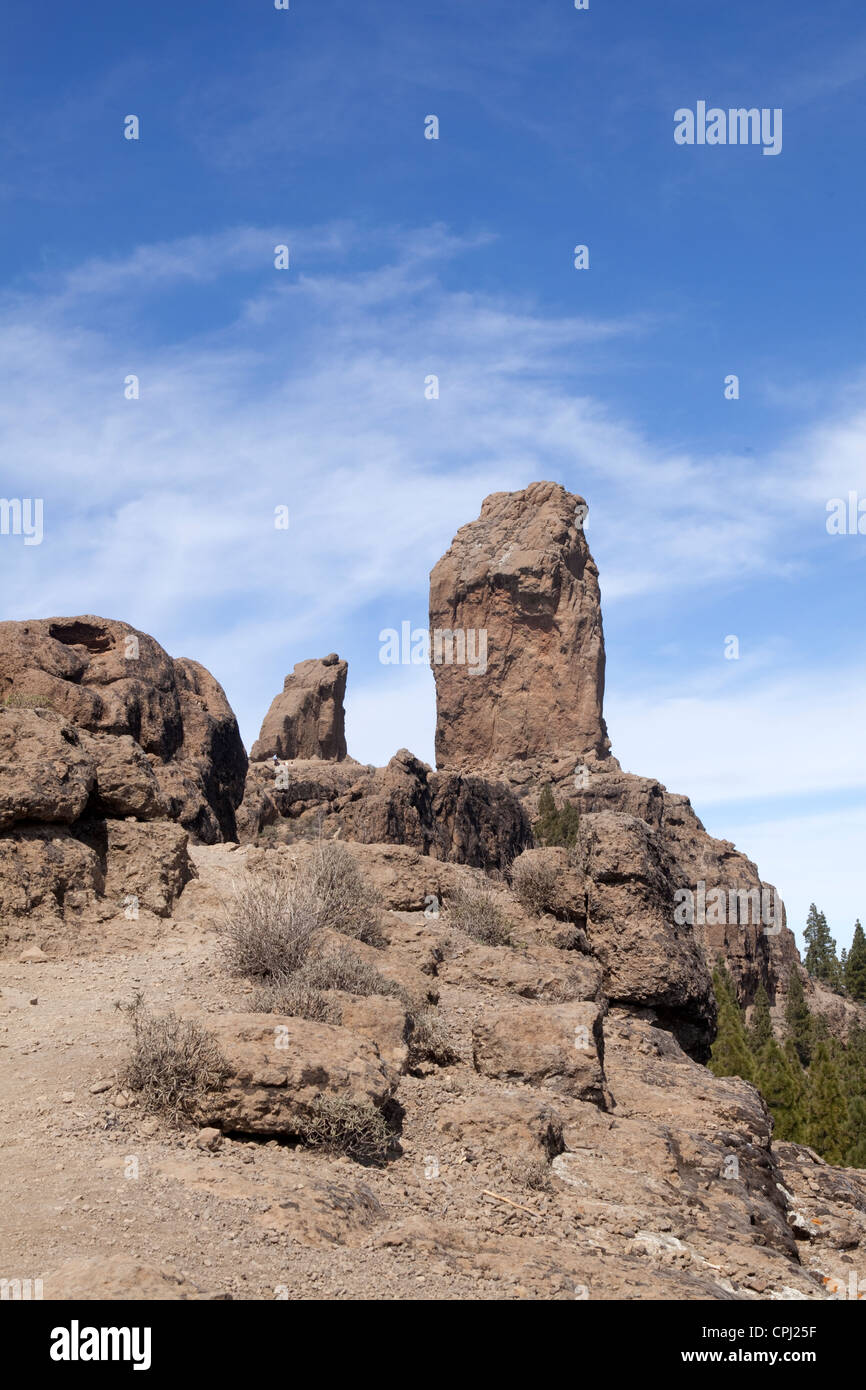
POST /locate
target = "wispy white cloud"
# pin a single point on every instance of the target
(310, 393)
(738, 736)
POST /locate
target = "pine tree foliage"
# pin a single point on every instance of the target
(821, 959)
(798, 1018)
(855, 965)
(555, 827)
(827, 1119)
(821, 1103)
(761, 1027)
(730, 1054)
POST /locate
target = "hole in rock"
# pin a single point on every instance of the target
(95, 639)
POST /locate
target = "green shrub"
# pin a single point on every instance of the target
(555, 827)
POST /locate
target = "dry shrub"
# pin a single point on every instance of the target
(269, 923)
(344, 969)
(293, 997)
(475, 909)
(348, 1127)
(536, 885)
(174, 1062)
(530, 1172)
(348, 904)
(430, 1040)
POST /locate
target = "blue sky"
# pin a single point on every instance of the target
(305, 387)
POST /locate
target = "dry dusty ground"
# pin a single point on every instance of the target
(99, 1199)
(82, 1179)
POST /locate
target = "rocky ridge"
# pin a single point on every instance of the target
(561, 1138)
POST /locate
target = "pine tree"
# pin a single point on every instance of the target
(854, 1081)
(798, 1018)
(795, 1066)
(761, 1027)
(546, 806)
(821, 959)
(828, 1120)
(855, 965)
(730, 1054)
(782, 1089)
(856, 1154)
(555, 827)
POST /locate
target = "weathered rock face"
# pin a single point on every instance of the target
(532, 716)
(557, 1047)
(306, 720)
(106, 743)
(647, 958)
(164, 743)
(279, 1067)
(468, 820)
(60, 883)
(520, 588)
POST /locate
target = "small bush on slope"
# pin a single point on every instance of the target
(348, 904)
(269, 924)
(474, 909)
(343, 1126)
(174, 1062)
(536, 886)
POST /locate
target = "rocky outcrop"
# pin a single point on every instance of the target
(307, 720)
(159, 733)
(61, 885)
(647, 957)
(517, 596)
(468, 820)
(556, 1047)
(523, 575)
(608, 1158)
(278, 1068)
(111, 755)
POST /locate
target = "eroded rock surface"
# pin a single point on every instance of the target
(523, 576)
(111, 755)
(306, 719)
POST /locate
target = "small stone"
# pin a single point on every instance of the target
(31, 955)
(67, 1097)
(99, 1086)
(209, 1139)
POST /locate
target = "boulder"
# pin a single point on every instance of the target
(105, 679)
(46, 772)
(510, 1122)
(558, 1047)
(279, 1066)
(646, 957)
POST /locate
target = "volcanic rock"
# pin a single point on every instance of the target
(104, 678)
(522, 576)
(307, 720)
(280, 1066)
